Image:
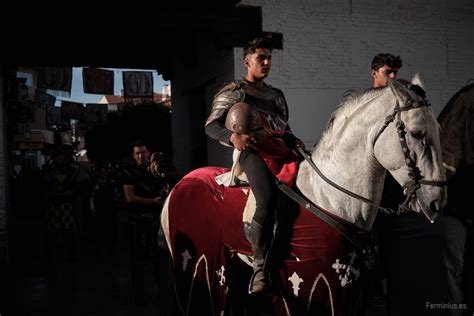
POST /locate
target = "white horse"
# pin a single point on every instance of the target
(354, 154)
(383, 129)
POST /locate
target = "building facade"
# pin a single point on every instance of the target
(327, 49)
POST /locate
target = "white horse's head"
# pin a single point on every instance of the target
(417, 166)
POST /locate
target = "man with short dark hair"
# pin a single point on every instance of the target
(142, 193)
(259, 121)
(414, 239)
(137, 196)
(384, 65)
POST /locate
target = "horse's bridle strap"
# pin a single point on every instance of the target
(414, 105)
(396, 111)
(434, 183)
(411, 188)
(414, 173)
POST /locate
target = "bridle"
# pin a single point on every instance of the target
(411, 188)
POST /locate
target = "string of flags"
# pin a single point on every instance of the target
(57, 81)
(54, 82)
(136, 84)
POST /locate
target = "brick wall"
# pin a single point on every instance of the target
(328, 47)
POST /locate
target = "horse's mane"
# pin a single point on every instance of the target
(448, 108)
(351, 98)
(354, 96)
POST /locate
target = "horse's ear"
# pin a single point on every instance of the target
(417, 80)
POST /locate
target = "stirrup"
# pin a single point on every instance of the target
(266, 288)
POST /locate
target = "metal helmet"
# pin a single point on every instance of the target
(243, 119)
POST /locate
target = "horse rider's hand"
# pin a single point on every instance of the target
(158, 200)
(299, 143)
(243, 142)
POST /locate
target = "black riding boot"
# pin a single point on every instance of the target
(260, 238)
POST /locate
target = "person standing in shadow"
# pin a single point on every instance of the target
(144, 199)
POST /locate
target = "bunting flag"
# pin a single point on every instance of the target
(55, 78)
(72, 110)
(44, 100)
(98, 81)
(137, 84)
(95, 114)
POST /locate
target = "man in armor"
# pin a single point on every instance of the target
(252, 116)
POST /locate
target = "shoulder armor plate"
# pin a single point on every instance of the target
(229, 95)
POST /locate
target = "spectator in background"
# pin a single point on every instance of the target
(144, 198)
(103, 207)
(61, 182)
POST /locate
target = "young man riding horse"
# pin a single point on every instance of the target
(247, 114)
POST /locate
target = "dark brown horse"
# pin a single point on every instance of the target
(457, 130)
(457, 141)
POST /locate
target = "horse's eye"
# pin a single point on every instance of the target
(418, 134)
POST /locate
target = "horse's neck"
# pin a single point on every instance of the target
(344, 155)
